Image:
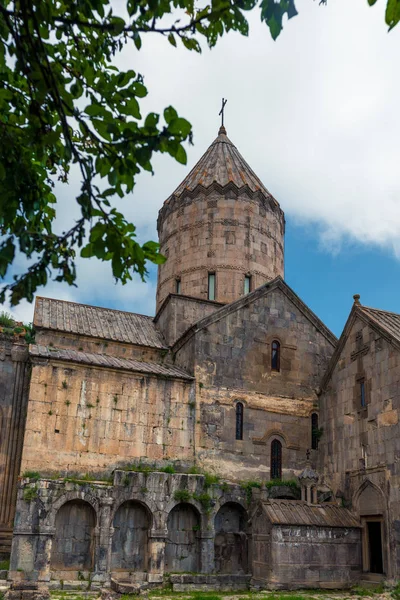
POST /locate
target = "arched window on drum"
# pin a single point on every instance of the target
(239, 421)
(275, 356)
(276, 460)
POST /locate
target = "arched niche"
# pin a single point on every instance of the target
(182, 552)
(129, 550)
(230, 544)
(73, 542)
(370, 500)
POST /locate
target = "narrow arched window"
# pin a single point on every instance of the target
(275, 356)
(314, 431)
(239, 421)
(276, 460)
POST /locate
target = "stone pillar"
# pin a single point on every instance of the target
(13, 431)
(31, 555)
(207, 561)
(103, 537)
(157, 539)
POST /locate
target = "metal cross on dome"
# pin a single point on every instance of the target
(221, 112)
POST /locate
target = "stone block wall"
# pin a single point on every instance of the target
(230, 234)
(307, 557)
(231, 360)
(70, 341)
(85, 419)
(178, 313)
(360, 446)
(140, 527)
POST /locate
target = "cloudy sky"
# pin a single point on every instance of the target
(316, 115)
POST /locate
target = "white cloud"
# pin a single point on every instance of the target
(314, 113)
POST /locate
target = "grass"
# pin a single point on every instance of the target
(6, 319)
(4, 565)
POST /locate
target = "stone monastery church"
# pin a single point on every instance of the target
(230, 441)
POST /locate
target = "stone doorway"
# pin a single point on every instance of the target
(374, 545)
(371, 505)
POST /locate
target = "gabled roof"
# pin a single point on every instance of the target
(98, 322)
(386, 323)
(263, 290)
(106, 361)
(298, 512)
(222, 164)
(387, 320)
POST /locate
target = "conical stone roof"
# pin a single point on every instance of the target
(222, 164)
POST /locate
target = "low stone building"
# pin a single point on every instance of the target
(229, 440)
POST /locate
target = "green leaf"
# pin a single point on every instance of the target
(181, 155)
(172, 40)
(179, 126)
(169, 114)
(392, 16)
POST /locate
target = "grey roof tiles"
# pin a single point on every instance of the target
(297, 512)
(387, 320)
(222, 163)
(94, 321)
(102, 360)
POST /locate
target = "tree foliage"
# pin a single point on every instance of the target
(64, 103)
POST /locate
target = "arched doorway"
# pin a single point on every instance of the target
(129, 550)
(73, 542)
(371, 508)
(230, 545)
(182, 547)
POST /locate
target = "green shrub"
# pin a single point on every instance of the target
(5, 565)
(395, 593)
(168, 469)
(34, 475)
(204, 499)
(194, 470)
(210, 479)
(182, 495)
(248, 486)
(30, 493)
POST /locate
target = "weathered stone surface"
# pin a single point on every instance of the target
(360, 445)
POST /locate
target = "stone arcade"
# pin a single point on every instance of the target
(234, 382)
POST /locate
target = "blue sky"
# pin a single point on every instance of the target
(316, 116)
(327, 282)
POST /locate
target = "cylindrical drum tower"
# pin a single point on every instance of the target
(221, 230)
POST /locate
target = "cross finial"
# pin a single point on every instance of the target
(221, 114)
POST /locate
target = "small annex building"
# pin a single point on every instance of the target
(230, 438)
(299, 545)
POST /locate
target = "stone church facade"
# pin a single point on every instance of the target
(229, 441)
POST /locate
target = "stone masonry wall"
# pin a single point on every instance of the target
(232, 363)
(313, 557)
(230, 235)
(69, 341)
(173, 527)
(86, 419)
(178, 313)
(361, 446)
